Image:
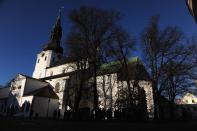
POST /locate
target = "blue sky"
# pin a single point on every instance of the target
(25, 25)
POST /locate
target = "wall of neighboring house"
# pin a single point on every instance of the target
(189, 98)
(44, 106)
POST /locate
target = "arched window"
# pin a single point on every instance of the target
(57, 87)
(23, 107)
(27, 107)
(45, 58)
(53, 60)
(38, 61)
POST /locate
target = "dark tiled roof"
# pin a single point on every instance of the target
(29, 77)
(136, 69)
(46, 91)
(4, 92)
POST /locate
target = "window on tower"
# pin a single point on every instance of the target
(42, 55)
(45, 58)
(38, 61)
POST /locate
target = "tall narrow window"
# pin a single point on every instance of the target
(27, 107)
(38, 61)
(57, 87)
(45, 58)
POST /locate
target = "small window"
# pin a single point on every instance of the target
(45, 58)
(38, 61)
(13, 87)
(186, 101)
(193, 101)
(42, 55)
(19, 87)
(27, 107)
(57, 87)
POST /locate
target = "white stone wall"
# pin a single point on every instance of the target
(108, 84)
(65, 68)
(62, 82)
(44, 60)
(147, 86)
(111, 83)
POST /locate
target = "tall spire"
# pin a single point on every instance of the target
(56, 35)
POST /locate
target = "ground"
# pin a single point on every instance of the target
(16, 124)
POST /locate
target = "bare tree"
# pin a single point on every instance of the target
(119, 49)
(179, 75)
(160, 46)
(91, 30)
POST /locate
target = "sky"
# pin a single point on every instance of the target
(25, 25)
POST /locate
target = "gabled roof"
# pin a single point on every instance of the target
(46, 91)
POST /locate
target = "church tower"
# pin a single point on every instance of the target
(52, 51)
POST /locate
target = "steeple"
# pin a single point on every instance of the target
(55, 37)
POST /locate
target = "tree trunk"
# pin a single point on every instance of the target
(95, 88)
(156, 101)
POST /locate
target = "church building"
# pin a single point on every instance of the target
(52, 85)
